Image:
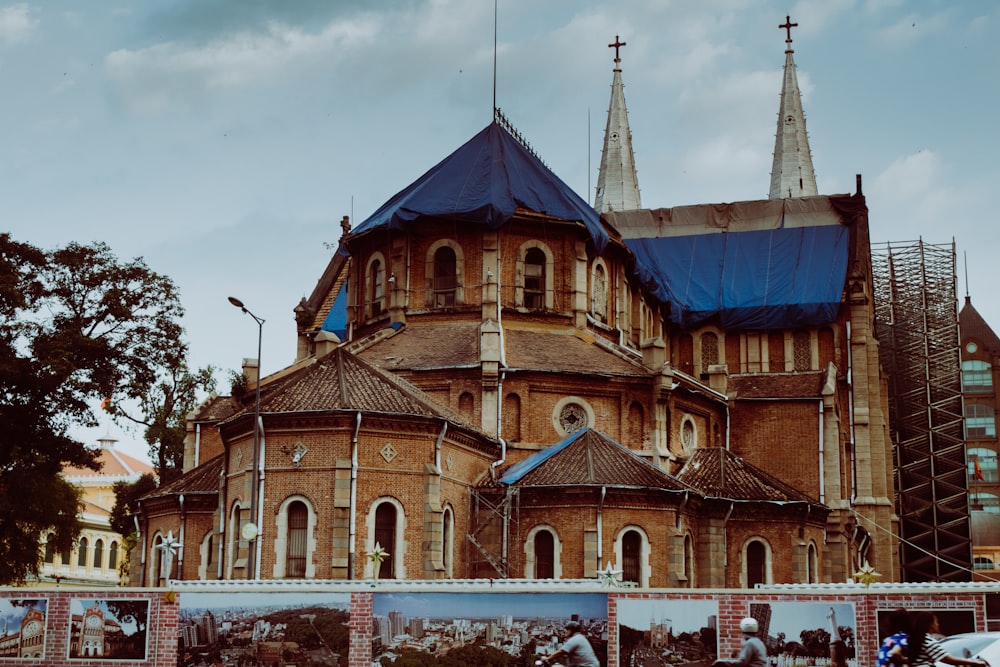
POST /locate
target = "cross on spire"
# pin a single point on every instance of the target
(787, 27)
(618, 44)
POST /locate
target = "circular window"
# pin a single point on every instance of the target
(572, 417)
(689, 436)
(572, 414)
(971, 348)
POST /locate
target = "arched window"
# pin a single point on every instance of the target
(977, 376)
(599, 293)
(636, 426)
(541, 554)
(512, 418)
(812, 564)
(802, 350)
(709, 350)
(685, 352)
(50, 548)
(756, 563)
(113, 556)
(385, 536)
(81, 554)
(448, 542)
(982, 464)
(545, 555)
(982, 563)
(297, 545)
(632, 556)
(98, 554)
(445, 277)
(376, 288)
(980, 421)
(687, 567)
(534, 279)
(64, 556)
(156, 564)
(467, 405)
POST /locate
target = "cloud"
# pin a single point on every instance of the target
(174, 74)
(17, 24)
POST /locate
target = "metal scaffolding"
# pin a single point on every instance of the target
(916, 312)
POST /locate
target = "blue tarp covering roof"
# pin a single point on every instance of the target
(336, 319)
(523, 467)
(764, 279)
(483, 183)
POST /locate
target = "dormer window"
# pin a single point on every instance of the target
(445, 277)
(599, 293)
(534, 279)
(375, 287)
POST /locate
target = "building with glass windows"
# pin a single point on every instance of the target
(980, 375)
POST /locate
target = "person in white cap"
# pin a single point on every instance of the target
(754, 653)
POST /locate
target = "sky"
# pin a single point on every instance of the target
(223, 140)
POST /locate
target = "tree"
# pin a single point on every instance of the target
(164, 414)
(126, 504)
(76, 325)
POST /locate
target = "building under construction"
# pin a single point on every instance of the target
(917, 328)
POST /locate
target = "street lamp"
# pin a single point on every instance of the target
(251, 530)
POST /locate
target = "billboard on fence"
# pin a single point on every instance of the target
(263, 628)
(807, 632)
(109, 629)
(656, 632)
(24, 624)
(483, 628)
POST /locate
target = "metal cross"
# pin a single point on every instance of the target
(788, 25)
(618, 44)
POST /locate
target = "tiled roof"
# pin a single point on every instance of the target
(717, 472)
(342, 381)
(113, 464)
(426, 346)
(565, 350)
(217, 408)
(973, 325)
(202, 479)
(588, 458)
(777, 385)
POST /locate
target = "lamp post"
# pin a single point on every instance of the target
(251, 530)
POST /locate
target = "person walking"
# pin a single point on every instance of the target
(924, 651)
(893, 648)
(753, 653)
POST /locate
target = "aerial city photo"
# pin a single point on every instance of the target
(496, 629)
(305, 629)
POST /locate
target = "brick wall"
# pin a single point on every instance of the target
(162, 631)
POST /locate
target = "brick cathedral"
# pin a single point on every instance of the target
(495, 378)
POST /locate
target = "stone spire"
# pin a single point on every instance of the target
(617, 183)
(792, 172)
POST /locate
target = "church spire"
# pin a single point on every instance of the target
(617, 183)
(792, 172)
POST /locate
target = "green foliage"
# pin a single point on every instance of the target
(76, 326)
(126, 504)
(164, 411)
(239, 385)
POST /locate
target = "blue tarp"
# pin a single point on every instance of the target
(336, 319)
(765, 279)
(523, 467)
(483, 183)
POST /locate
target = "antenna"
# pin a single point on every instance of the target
(965, 259)
(495, 3)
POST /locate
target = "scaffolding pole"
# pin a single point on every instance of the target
(916, 313)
